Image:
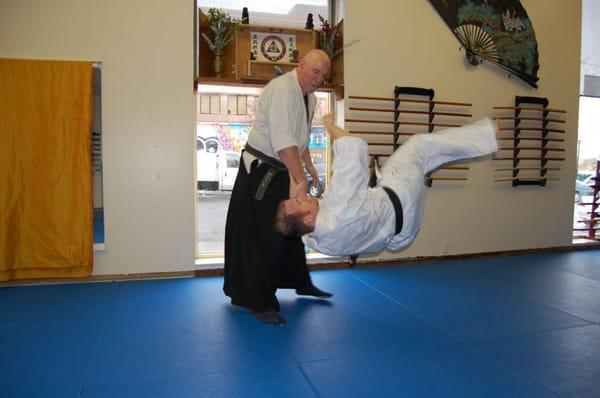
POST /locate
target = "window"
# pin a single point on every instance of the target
(220, 139)
(225, 115)
(588, 156)
(238, 104)
(210, 104)
(588, 144)
(98, 190)
(233, 160)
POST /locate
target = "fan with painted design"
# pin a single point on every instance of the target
(499, 32)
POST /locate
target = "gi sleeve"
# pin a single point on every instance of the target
(282, 119)
(343, 198)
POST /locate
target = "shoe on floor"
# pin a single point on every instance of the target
(270, 317)
(314, 291)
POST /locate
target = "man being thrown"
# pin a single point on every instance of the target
(352, 218)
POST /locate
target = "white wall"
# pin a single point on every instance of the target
(406, 43)
(148, 116)
(146, 49)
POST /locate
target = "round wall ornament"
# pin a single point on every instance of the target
(273, 48)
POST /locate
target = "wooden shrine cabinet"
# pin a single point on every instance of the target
(248, 69)
(238, 65)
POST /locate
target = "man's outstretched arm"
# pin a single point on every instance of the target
(310, 167)
(291, 159)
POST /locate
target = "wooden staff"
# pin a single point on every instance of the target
(595, 216)
(379, 132)
(527, 108)
(590, 221)
(526, 179)
(371, 144)
(532, 149)
(447, 168)
(402, 122)
(530, 158)
(530, 118)
(453, 168)
(354, 108)
(531, 139)
(447, 178)
(532, 129)
(528, 168)
(409, 100)
(587, 204)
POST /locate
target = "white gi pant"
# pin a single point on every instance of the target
(423, 153)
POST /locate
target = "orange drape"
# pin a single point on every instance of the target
(45, 169)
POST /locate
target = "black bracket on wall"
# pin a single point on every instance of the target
(417, 91)
(517, 131)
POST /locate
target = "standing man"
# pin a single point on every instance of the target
(258, 260)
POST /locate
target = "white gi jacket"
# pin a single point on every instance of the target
(355, 219)
(281, 120)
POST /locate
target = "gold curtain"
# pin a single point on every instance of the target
(45, 169)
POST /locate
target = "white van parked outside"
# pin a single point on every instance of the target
(216, 170)
(229, 163)
(207, 166)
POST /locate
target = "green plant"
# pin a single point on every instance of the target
(223, 28)
(327, 36)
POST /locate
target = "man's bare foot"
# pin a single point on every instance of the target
(496, 126)
(333, 130)
(327, 120)
(270, 318)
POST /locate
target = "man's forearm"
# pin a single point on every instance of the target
(291, 159)
(306, 159)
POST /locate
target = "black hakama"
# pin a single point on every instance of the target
(258, 260)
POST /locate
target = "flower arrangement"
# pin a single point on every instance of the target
(223, 28)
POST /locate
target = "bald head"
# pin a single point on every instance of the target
(312, 70)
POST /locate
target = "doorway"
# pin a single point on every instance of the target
(224, 117)
(588, 145)
(588, 155)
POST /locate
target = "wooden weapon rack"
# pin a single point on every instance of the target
(592, 212)
(534, 141)
(385, 123)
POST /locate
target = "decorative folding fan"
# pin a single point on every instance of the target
(497, 31)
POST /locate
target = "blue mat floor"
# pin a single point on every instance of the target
(509, 326)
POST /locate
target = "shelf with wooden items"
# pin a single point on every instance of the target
(239, 67)
(267, 69)
(411, 111)
(248, 68)
(531, 147)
